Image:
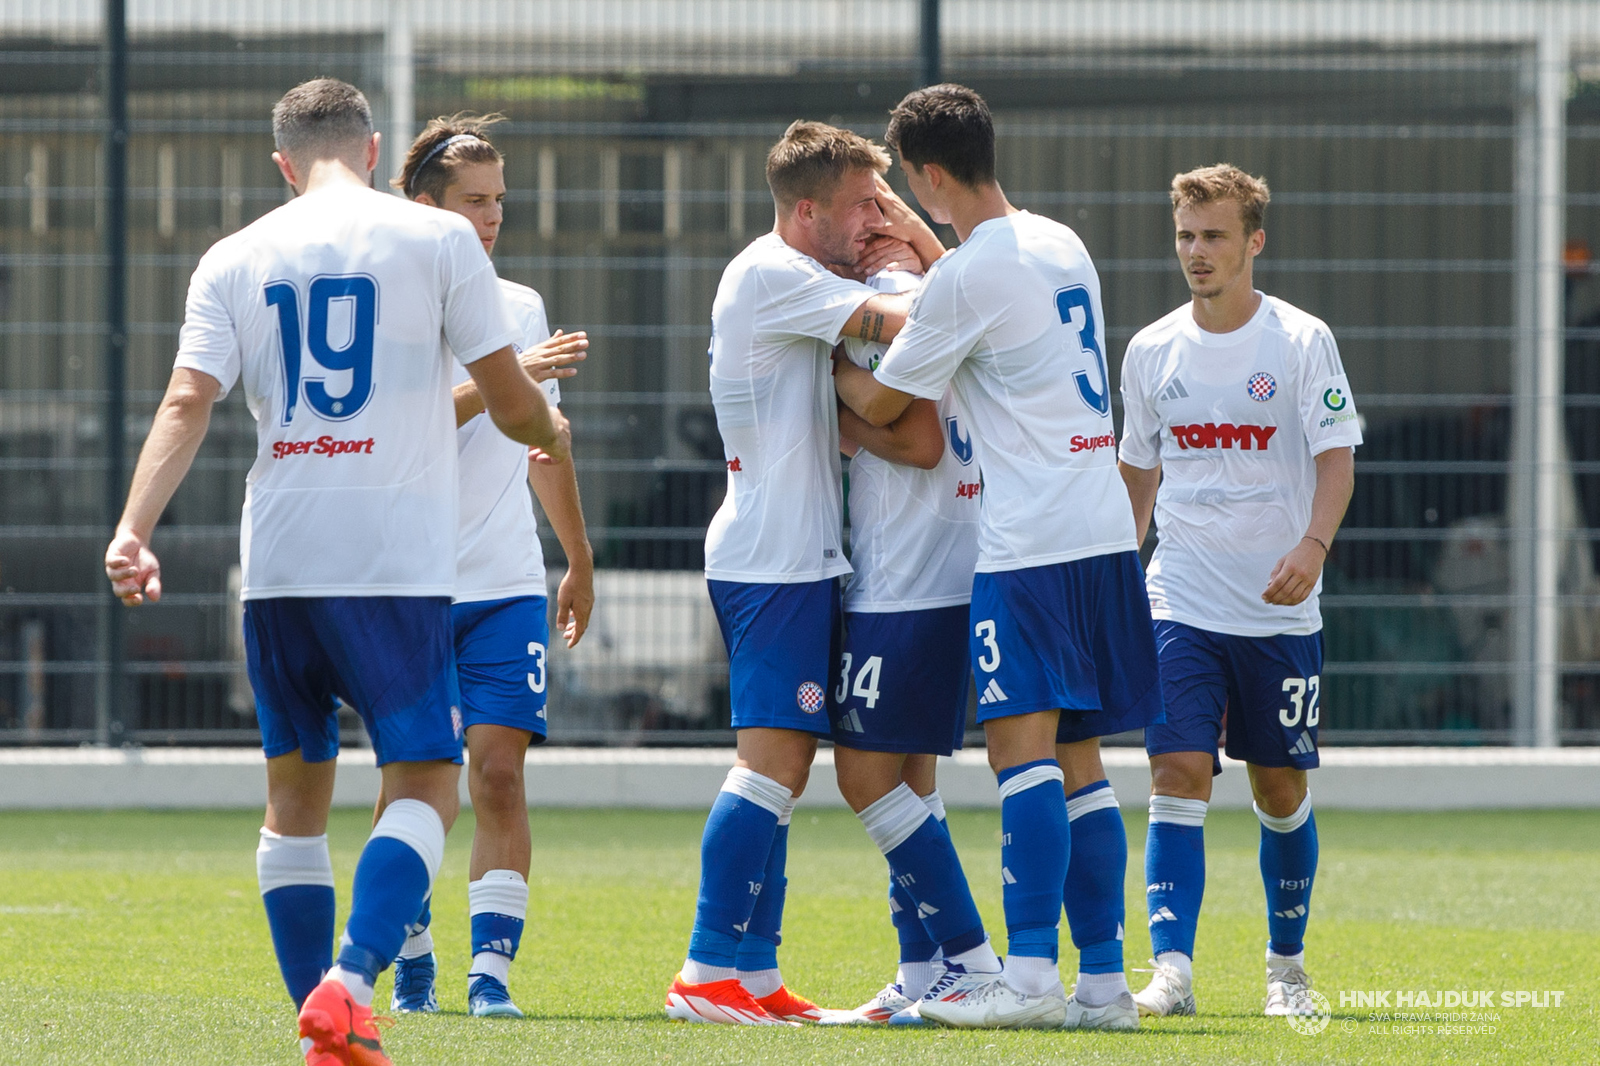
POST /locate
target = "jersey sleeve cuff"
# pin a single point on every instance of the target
(1318, 447)
(914, 389)
(488, 347)
(224, 387)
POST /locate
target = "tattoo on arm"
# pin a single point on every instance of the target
(871, 325)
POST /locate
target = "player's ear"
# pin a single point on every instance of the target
(426, 198)
(286, 168)
(372, 151)
(1258, 241)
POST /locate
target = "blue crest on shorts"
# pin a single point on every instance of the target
(960, 447)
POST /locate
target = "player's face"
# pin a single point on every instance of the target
(842, 225)
(479, 193)
(922, 188)
(1213, 249)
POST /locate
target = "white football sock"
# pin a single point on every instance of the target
(915, 978)
(1032, 976)
(1179, 961)
(491, 963)
(1098, 989)
(360, 990)
(417, 945)
(760, 983)
(698, 973)
(980, 959)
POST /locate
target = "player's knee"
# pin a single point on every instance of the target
(497, 781)
(1279, 794)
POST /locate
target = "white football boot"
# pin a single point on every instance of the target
(876, 1011)
(985, 1001)
(1168, 993)
(1287, 985)
(1120, 1014)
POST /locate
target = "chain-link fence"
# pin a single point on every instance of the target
(1435, 196)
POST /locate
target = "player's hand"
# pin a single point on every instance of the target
(1295, 575)
(900, 221)
(575, 601)
(887, 253)
(554, 358)
(133, 569)
(562, 450)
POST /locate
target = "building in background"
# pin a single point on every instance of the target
(1425, 158)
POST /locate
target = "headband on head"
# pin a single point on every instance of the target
(437, 149)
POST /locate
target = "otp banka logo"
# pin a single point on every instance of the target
(960, 446)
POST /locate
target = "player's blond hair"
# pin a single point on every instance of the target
(1224, 181)
(811, 158)
(431, 163)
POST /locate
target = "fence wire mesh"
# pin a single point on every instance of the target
(1401, 142)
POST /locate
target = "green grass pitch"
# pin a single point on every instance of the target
(139, 938)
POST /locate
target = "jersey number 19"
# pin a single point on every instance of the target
(357, 297)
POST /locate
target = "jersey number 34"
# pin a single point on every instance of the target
(349, 301)
(1077, 313)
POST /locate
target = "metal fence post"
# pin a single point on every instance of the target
(928, 61)
(109, 711)
(1553, 477)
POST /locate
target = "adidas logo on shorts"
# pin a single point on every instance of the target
(992, 693)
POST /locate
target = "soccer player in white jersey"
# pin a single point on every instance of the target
(1060, 632)
(335, 311)
(1240, 432)
(904, 675)
(500, 611)
(773, 551)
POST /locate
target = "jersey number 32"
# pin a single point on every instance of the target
(349, 301)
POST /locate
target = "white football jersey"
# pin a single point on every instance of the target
(498, 555)
(335, 310)
(913, 532)
(1011, 321)
(775, 320)
(1234, 421)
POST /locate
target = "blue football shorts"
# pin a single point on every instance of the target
(782, 643)
(502, 648)
(1073, 636)
(1260, 697)
(392, 658)
(903, 682)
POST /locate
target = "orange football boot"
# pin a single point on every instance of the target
(341, 1028)
(722, 1002)
(790, 1007)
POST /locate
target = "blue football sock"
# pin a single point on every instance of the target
(923, 863)
(1175, 872)
(758, 947)
(734, 852)
(915, 944)
(1093, 888)
(393, 876)
(498, 905)
(1033, 856)
(1288, 866)
(296, 880)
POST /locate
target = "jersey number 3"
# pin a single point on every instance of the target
(356, 297)
(1077, 311)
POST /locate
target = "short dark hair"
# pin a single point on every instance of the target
(324, 116)
(811, 158)
(949, 125)
(430, 165)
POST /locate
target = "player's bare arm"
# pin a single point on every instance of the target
(879, 320)
(556, 486)
(551, 359)
(900, 221)
(515, 403)
(175, 435)
(875, 402)
(916, 438)
(1296, 573)
(1142, 485)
